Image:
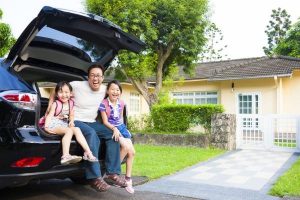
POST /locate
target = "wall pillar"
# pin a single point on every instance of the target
(223, 131)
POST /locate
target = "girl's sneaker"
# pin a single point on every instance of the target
(129, 187)
(70, 159)
(89, 157)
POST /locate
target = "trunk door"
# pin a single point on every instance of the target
(71, 39)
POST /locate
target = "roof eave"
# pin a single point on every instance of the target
(250, 77)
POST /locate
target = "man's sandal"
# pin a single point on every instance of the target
(99, 185)
(116, 180)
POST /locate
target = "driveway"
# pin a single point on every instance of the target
(242, 174)
(66, 190)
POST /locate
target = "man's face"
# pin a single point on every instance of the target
(95, 78)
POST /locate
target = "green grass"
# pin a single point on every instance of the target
(289, 183)
(285, 144)
(156, 161)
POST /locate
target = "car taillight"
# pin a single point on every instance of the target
(25, 101)
(28, 162)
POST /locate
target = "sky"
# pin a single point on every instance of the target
(242, 22)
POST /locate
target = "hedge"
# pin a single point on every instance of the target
(180, 117)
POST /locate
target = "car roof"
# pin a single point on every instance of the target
(70, 39)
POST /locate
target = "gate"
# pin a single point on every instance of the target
(268, 132)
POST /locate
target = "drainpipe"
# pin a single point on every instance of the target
(278, 84)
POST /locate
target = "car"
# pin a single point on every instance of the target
(57, 45)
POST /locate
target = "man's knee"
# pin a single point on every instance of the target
(91, 138)
(90, 133)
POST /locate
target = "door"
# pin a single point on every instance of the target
(249, 122)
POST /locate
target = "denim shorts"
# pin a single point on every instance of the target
(124, 131)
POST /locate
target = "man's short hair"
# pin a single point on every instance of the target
(95, 66)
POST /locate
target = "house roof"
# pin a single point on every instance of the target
(249, 68)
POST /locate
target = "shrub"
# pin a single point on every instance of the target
(180, 117)
(136, 124)
(202, 114)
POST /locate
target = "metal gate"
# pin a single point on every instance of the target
(268, 132)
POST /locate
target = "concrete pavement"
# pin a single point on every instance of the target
(242, 174)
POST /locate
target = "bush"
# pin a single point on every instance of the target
(180, 117)
(137, 124)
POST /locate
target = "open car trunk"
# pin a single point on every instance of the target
(60, 45)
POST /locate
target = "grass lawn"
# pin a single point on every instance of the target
(156, 161)
(289, 183)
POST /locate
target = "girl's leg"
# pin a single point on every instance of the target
(123, 148)
(128, 150)
(82, 141)
(66, 141)
(67, 134)
(130, 157)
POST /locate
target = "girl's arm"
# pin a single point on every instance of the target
(49, 117)
(116, 132)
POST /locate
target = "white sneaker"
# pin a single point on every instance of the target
(129, 187)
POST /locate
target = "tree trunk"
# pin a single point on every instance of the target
(141, 85)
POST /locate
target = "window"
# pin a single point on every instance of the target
(248, 103)
(196, 97)
(134, 103)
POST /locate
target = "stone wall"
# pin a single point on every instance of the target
(172, 139)
(223, 131)
(223, 135)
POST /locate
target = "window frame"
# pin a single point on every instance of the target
(194, 96)
(255, 103)
(134, 96)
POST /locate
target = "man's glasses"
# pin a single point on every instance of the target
(95, 76)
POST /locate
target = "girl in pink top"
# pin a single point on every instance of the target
(60, 121)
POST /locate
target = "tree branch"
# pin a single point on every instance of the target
(163, 55)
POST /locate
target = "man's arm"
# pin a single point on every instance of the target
(51, 100)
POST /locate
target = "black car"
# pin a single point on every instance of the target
(57, 45)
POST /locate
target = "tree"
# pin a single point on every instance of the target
(290, 45)
(213, 50)
(6, 38)
(277, 28)
(173, 31)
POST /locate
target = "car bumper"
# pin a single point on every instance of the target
(13, 180)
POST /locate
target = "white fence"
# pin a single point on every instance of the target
(268, 132)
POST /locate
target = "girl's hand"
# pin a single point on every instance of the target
(116, 134)
(71, 124)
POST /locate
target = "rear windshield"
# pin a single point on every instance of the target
(11, 82)
(94, 51)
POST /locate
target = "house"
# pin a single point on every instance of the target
(263, 85)
(263, 92)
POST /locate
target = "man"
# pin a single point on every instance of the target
(87, 97)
